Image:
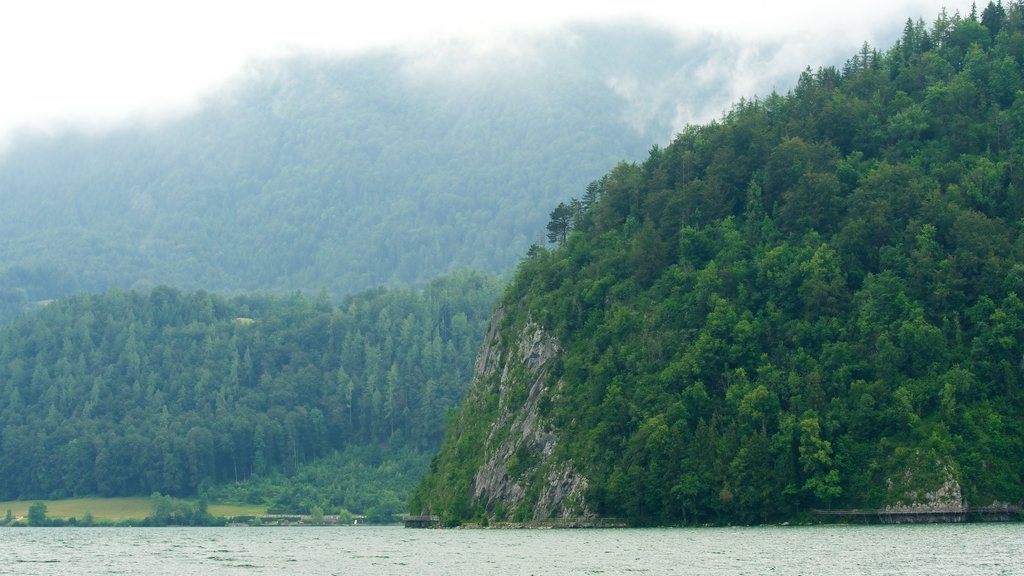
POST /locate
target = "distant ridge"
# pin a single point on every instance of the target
(350, 173)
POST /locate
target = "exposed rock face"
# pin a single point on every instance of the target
(946, 498)
(562, 496)
(520, 445)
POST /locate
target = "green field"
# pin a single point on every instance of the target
(114, 509)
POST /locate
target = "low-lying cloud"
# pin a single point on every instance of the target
(69, 64)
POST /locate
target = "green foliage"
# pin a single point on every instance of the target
(814, 302)
(37, 514)
(128, 393)
(560, 223)
(168, 511)
(371, 480)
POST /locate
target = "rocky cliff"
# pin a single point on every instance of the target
(520, 444)
(516, 473)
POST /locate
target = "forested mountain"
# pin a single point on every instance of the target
(814, 302)
(288, 400)
(348, 173)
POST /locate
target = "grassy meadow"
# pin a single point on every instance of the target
(114, 509)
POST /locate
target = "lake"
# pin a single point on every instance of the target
(962, 549)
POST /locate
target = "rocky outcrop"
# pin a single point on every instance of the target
(944, 499)
(520, 465)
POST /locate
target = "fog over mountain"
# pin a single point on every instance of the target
(91, 66)
(344, 173)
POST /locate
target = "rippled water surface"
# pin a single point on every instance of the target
(971, 549)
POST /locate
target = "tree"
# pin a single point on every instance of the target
(992, 17)
(316, 516)
(816, 461)
(37, 514)
(561, 221)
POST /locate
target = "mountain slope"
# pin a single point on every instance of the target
(815, 302)
(386, 168)
(127, 393)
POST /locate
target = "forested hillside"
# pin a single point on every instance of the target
(347, 173)
(288, 400)
(814, 302)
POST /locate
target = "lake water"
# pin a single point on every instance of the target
(964, 549)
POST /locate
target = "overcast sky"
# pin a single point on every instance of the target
(93, 62)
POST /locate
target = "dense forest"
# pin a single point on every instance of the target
(816, 301)
(289, 401)
(346, 173)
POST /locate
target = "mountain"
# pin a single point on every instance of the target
(284, 400)
(347, 173)
(813, 303)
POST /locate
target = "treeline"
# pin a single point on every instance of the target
(814, 302)
(372, 480)
(130, 393)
